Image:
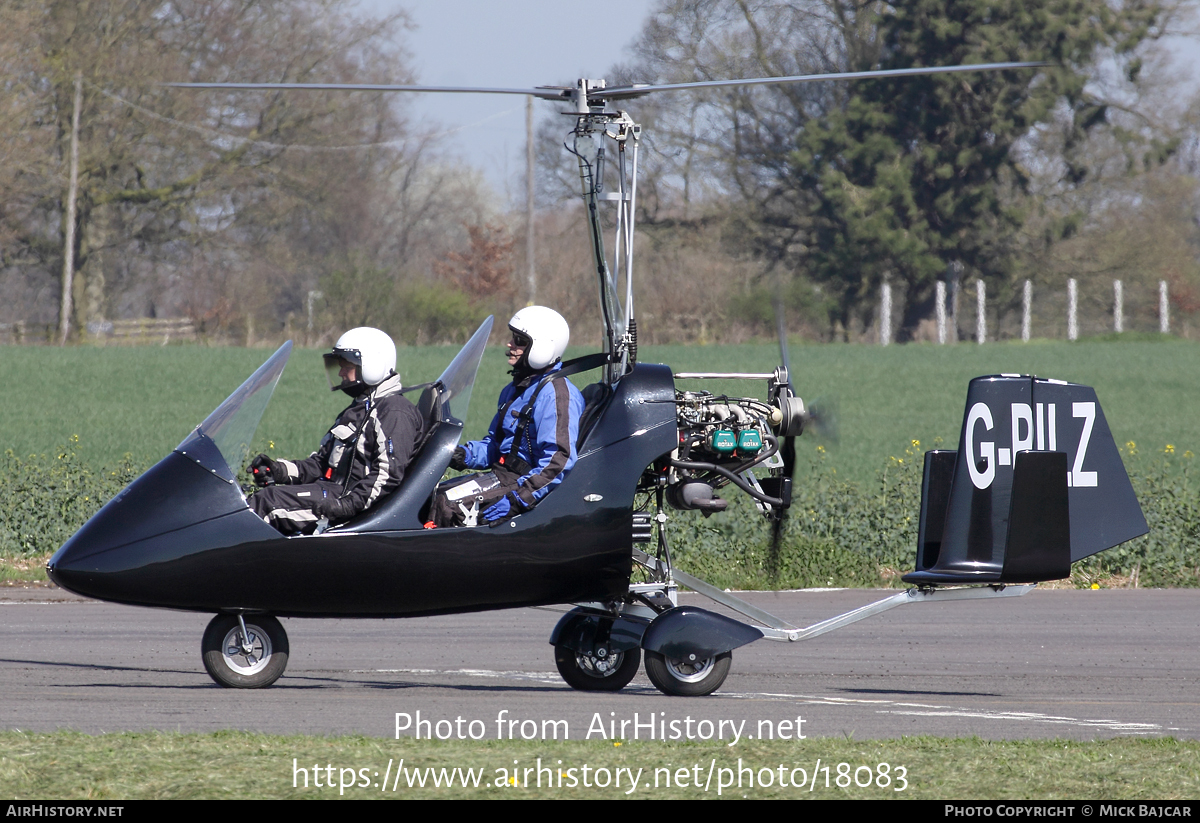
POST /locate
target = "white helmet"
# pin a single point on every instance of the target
(371, 350)
(546, 332)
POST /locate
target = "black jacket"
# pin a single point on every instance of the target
(365, 452)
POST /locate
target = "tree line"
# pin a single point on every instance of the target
(1081, 168)
(271, 212)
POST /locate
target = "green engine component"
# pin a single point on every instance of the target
(723, 441)
(749, 441)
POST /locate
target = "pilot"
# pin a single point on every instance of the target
(364, 455)
(530, 446)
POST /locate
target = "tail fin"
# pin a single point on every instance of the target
(1037, 483)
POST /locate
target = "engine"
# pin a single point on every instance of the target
(721, 439)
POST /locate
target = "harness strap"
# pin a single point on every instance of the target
(341, 473)
(407, 389)
(513, 459)
(522, 431)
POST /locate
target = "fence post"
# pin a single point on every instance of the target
(1164, 310)
(955, 288)
(1072, 310)
(68, 277)
(885, 314)
(980, 312)
(1118, 307)
(1026, 309)
(940, 301)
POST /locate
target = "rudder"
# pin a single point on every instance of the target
(1037, 483)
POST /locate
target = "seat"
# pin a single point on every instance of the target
(399, 510)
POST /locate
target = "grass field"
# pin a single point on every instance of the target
(144, 401)
(850, 526)
(230, 765)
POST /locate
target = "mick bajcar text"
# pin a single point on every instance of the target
(603, 726)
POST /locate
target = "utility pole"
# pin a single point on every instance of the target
(529, 205)
(940, 309)
(68, 278)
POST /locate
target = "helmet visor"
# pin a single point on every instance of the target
(520, 338)
(336, 362)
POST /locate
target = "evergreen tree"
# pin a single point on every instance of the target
(911, 176)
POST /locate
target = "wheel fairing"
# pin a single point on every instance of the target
(688, 630)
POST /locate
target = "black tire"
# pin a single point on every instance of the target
(588, 673)
(688, 678)
(230, 666)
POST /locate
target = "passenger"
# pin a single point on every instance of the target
(364, 455)
(530, 447)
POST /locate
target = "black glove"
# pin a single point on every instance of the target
(333, 508)
(458, 460)
(266, 471)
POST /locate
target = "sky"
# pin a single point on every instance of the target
(520, 43)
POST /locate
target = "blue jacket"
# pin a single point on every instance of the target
(549, 442)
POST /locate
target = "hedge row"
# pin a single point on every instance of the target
(838, 533)
(848, 534)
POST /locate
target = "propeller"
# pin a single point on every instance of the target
(791, 423)
(821, 419)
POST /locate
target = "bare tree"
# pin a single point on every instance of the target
(227, 205)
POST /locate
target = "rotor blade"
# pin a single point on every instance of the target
(597, 96)
(545, 93)
(638, 90)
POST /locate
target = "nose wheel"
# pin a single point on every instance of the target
(252, 657)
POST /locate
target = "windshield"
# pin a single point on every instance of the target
(459, 376)
(232, 426)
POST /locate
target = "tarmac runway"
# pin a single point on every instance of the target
(1060, 663)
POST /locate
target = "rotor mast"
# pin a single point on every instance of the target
(594, 127)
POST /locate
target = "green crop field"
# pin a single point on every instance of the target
(144, 401)
(65, 440)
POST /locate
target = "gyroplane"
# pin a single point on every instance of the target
(1036, 484)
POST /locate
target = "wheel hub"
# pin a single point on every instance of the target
(691, 670)
(249, 655)
(601, 664)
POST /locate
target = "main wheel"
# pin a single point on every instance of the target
(592, 673)
(692, 677)
(255, 664)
